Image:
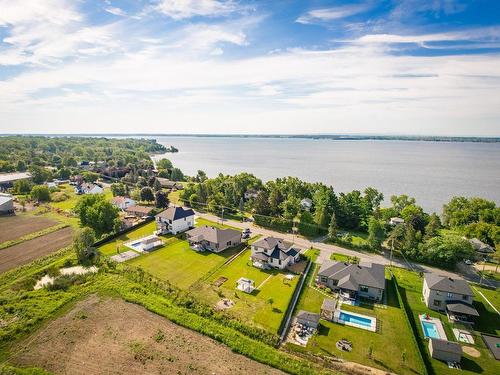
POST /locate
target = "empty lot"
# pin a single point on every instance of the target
(115, 337)
(27, 251)
(13, 227)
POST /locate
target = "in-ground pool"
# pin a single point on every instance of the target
(357, 320)
(430, 330)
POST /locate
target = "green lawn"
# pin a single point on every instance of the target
(110, 248)
(200, 222)
(488, 322)
(394, 335)
(492, 295)
(255, 307)
(344, 258)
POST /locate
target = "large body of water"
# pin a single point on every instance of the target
(432, 172)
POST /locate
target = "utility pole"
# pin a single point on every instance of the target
(222, 222)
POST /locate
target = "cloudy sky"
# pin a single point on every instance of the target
(227, 66)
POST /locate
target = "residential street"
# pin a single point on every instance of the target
(465, 272)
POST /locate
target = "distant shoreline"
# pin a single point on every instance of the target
(336, 137)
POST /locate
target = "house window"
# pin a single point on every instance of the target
(279, 262)
(335, 282)
(437, 303)
(363, 289)
(323, 279)
(228, 243)
(449, 295)
(464, 297)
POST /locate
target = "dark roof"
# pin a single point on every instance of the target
(260, 256)
(308, 316)
(176, 213)
(480, 246)
(448, 284)
(446, 346)
(461, 307)
(350, 276)
(493, 343)
(280, 249)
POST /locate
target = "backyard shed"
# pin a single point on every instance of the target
(245, 285)
(445, 350)
(308, 319)
(6, 204)
(328, 308)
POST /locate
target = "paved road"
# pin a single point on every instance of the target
(465, 272)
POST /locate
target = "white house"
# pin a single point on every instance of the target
(175, 220)
(395, 221)
(123, 202)
(89, 188)
(273, 252)
(306, 204)
(6, 204)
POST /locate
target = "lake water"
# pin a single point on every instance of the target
(432, 172)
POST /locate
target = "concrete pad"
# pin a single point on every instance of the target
(123, 257)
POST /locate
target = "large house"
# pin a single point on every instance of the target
(451, 295)
(88, 188)
(175, 220)
(123, 202)
(6, 204)
(272, 252)
(213, 239)
(366, 280)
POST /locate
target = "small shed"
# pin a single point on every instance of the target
(328, 308)
(151, 242)
(245, 285)
(396, 220)
(445, 350)
(308, 319)
(6, 204)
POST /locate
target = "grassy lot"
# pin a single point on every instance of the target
(488, 322)
(312, 254)
(492, 295)
(387, 345)
(200, 222)
(110, 248)
(344, 258)
(70, 203)
(256, 307)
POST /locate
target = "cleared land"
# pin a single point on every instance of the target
(27, 251)
(135, 340)
(14, 227)
(387, 344)
(488, 322)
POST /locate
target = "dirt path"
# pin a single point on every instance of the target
(13, 227)
(115, 337)
(27, 251)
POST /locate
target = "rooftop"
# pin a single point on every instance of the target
(11, 177)
(350, 276)
(176, 213)
(212, 234)
(448, 284)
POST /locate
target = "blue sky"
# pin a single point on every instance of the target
(217, 66)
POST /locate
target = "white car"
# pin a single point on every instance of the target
(468, 262)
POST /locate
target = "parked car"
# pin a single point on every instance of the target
(246, 231)
(468, 262)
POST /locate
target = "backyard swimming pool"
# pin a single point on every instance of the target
(357, 320)
(430, 330)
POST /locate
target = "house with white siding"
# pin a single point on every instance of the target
(271, 252)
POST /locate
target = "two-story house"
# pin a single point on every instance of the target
(365, 280)
(271, 252)
(451, 295)
(174, 220)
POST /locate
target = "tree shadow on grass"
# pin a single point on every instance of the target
(487, 321)
(469, 365)
(323, 330)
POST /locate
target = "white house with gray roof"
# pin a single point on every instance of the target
(174, 220)
(365, 280)
(271, 252)
(454, 296)
(212, 238)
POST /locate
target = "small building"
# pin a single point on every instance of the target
(328, 309)
(6, 204)
(150, 242)
(271, 252)
(481, 247)
(439, 292)
(365, 280)
(51, 184)
(245, 285)
(396, 221)
(212, 238)
(306, 204)
(138, 211)
(88, 188)
(445, 350)
(493, 344)
(175, 220)
(308, 319)
(172, 185)
(7, 179)
(122, 202)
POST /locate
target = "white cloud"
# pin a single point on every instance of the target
(116, 11)
(332, 13)
(180, 9)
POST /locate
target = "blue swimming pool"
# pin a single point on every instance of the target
(430, 330)
(355, 319)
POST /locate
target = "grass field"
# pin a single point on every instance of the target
(200, 222)
(344, 258)
(387, 344)
(488, 322)
(110, 248)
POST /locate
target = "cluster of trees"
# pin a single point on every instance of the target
(96, 212)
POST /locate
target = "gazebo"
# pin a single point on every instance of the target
(245, 285)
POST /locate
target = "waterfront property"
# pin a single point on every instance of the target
(212, 238)
(271, 252)
(365, 280)
(454, 296)
(174, 220)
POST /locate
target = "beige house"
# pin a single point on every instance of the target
(212, 239)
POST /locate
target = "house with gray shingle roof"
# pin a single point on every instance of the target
(454, 296)
(365, 280)
(212, 238)
(271, 252)
(174, 220)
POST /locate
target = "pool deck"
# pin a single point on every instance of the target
(123, 257)
(436, 322)
(372, 327)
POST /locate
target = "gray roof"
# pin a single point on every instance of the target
(448, 284)
(176, 213)
(281, 249)
(308, 316)
(480, 246)
(493, 343)
(260, 256)
(350, 276)
(11, 177)
(212, 234)
(460, 307)
(328, 304)
(446, 346)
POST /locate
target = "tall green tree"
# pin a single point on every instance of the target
(147, 194)
(376, 233)
(83, 244)
(332, 228)
(97, 213)
(40, 193)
